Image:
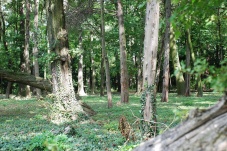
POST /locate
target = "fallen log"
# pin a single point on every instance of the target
(38, 82)
(203, 130)
(27, 79)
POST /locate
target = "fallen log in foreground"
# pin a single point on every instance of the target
(204, 130)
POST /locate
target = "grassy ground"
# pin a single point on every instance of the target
(24, 124)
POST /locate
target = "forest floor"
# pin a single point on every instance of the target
(24, 123)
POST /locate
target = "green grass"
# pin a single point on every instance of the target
(24, 124)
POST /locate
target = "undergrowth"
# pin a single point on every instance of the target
(24, 124)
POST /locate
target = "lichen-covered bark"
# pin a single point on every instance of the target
(204, 130)
(66, 107)
(150, 59)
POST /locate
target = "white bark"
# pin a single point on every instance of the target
(150, 50)
(204, 130)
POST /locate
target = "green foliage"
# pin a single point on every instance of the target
(218, 78)
(25, 124)
(48, 141)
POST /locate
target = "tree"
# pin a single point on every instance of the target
(26, 79)
(123, 55)
(165, 88)
(202, 130)
(35, 47)
(150, 61)
(66, 107)
(25, 31)
(81, 91)
(105, 58)
(180, 83)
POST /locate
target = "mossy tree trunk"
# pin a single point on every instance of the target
(198, 75)
(66, 107)
(176, 64)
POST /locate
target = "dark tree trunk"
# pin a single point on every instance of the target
(123, 55)
(165, 88)
(8, 89)
(187, 76)
(204, 130)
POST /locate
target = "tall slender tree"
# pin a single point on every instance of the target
(150, 60)
(66, 107)
(35, 47)
(106, 60)
(180, 83)
(165, 88)
(123, 55)
(81, 91)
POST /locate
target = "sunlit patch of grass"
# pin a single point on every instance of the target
(22, 120)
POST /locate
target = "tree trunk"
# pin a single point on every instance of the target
(203, 130)
(26, 79)
(35, 47)
(198, 76)
(176, 64)
(22, 88)
(150, 61)
(3, 37)
(123, 55)
(187, 76)
(37, 82)
(102, 76)
(139, 85)
(106, 61)
(81, 91)
(66, 107)
(165, 88)
(8, 89)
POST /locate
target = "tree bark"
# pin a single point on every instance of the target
(165, 88)
(198, 76)
(123, 55)
(106, 61)
(187, 76)
(150, 59)
(35, 47)
(26, 79)
(66, 107)
(37, 82)
(24, 54)
(203, 130)
(81, 91)
(176, 64)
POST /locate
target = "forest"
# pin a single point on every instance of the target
(113, 75)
